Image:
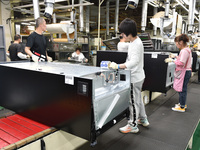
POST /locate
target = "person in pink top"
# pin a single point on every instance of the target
(182, 72)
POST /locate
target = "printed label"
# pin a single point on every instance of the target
(69, 80)
(154, 55)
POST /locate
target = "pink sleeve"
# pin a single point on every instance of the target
(178, 63)
(184, 56)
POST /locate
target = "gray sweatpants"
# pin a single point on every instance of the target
(136, 105)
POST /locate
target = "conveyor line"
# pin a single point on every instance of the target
(16, 131)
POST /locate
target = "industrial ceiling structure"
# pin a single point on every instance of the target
(23, 10)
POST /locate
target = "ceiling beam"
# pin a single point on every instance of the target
(75, 5)
(41, 3)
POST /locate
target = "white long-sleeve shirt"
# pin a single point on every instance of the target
(123, 46)
(80, 56)
(135, 60)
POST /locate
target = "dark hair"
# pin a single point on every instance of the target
(128, 26)
(17, 37)
(38, 21)
(78, 49)
(182, 37)
(120, 37)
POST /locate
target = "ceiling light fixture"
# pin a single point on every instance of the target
(132, 4)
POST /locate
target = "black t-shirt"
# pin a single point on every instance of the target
(37, 44)
(13, 50)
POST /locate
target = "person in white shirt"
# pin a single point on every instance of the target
(122, 46)
(134, 62)
(77, 55)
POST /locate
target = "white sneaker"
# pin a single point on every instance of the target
(179, 109)
(129, 129)
(178, 105)
(143, 122)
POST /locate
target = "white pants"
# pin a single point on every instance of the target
(136, 105)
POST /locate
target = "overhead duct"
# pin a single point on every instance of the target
(81, 18)
(175, 23)
(167, 25)
(156, 19)
(166, 22)
(116, 17)
(184, 27)
(72, 16)
(132, 4)
(144, 15)
(73, 20)
(62, 27)
(191, 16)
(87, 26)
(155, 10)
(99, 22)
(54, 18)
(167, 4)
(36, 9)
(107, 17)
(49, 4)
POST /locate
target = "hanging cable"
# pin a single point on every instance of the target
(99, 19)
(8, 21)
(5, 3)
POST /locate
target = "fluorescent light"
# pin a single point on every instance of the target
(24, 23)
(152, 3)
(32, 22)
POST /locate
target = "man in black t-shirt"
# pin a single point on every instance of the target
(15, 50)
(36, 42)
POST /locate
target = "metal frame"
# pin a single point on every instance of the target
(3, 46)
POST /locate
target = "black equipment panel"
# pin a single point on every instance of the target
(45, 98)
(155, 68)
(155, 72)
(195, 59)
(115, 56)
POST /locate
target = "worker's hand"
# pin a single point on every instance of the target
(172, 55)
(167, 60)
(27, 56)
(113, 65)
(69, 58)
(85, 60)
(8, 54)
(35, 58)
(198, 53)
(49, 59)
